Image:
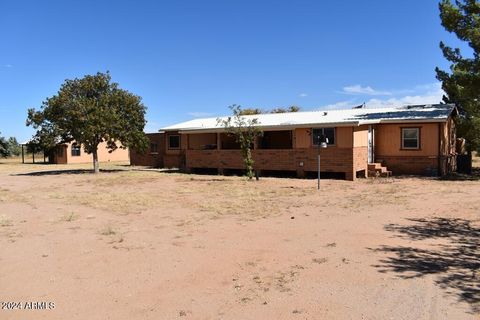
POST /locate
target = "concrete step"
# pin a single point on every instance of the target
(386, 174)
(376, 169)
(376, 173)
(373, 166)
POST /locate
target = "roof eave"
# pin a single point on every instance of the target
(413, 120)
(270, 128)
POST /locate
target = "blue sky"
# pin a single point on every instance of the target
(192, 58)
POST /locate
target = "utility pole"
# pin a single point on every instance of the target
(322, 144)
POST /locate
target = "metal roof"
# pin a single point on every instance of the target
(329, 118)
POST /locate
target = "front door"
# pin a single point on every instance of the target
(371, 156)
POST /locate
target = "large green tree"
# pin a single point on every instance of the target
(462, 83)
(91, 110)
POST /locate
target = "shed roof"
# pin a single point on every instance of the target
(348, 117)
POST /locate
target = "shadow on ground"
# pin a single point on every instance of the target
(68, 171)
(455, 262)
(475, 176)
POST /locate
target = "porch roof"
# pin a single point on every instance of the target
(329, 118)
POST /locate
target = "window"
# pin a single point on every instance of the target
(329, 133)
(174, 142)
(410, 138)
(75, 150)
(153, 148)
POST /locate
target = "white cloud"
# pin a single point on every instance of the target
(369, 91)
(429, 87)
(339, 105)
(8, 66)
(196, 114)
(406, 100)
(421, 94)
(425, 94)
(303, 95)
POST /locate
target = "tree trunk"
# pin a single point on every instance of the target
(249, 163)
(96, 168)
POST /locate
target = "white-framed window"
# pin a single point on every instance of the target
(329, 133)
(76, 150)
(411, 138)
(174, 141)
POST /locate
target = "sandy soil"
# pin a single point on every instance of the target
(142, 244)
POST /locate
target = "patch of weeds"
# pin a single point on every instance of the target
(118, 239)
(5, 222)
(331, 245)
(69, 217)
(12, 236)
(245, 299)
(281, 283)
(250, 264)
(108, 231)
(319, 260)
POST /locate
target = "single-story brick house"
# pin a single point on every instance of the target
(72, 152)
(416, 139)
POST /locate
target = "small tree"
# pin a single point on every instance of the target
(14, 146)
(91, 110)
(4, 148)
(245, 130)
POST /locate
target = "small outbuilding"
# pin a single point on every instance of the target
(66, 153)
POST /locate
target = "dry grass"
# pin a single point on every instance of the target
(69, 217)
(209, 197)
(108, 231)
(5, 221)
(116, 190)
(254, 243)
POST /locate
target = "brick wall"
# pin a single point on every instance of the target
(146, 159)
(149, 158)
(419, 165)
(174, 161)
(300, 160)
(360, 159)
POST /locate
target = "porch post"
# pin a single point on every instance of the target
(220, 170)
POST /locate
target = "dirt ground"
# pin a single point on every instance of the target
(130, 243)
